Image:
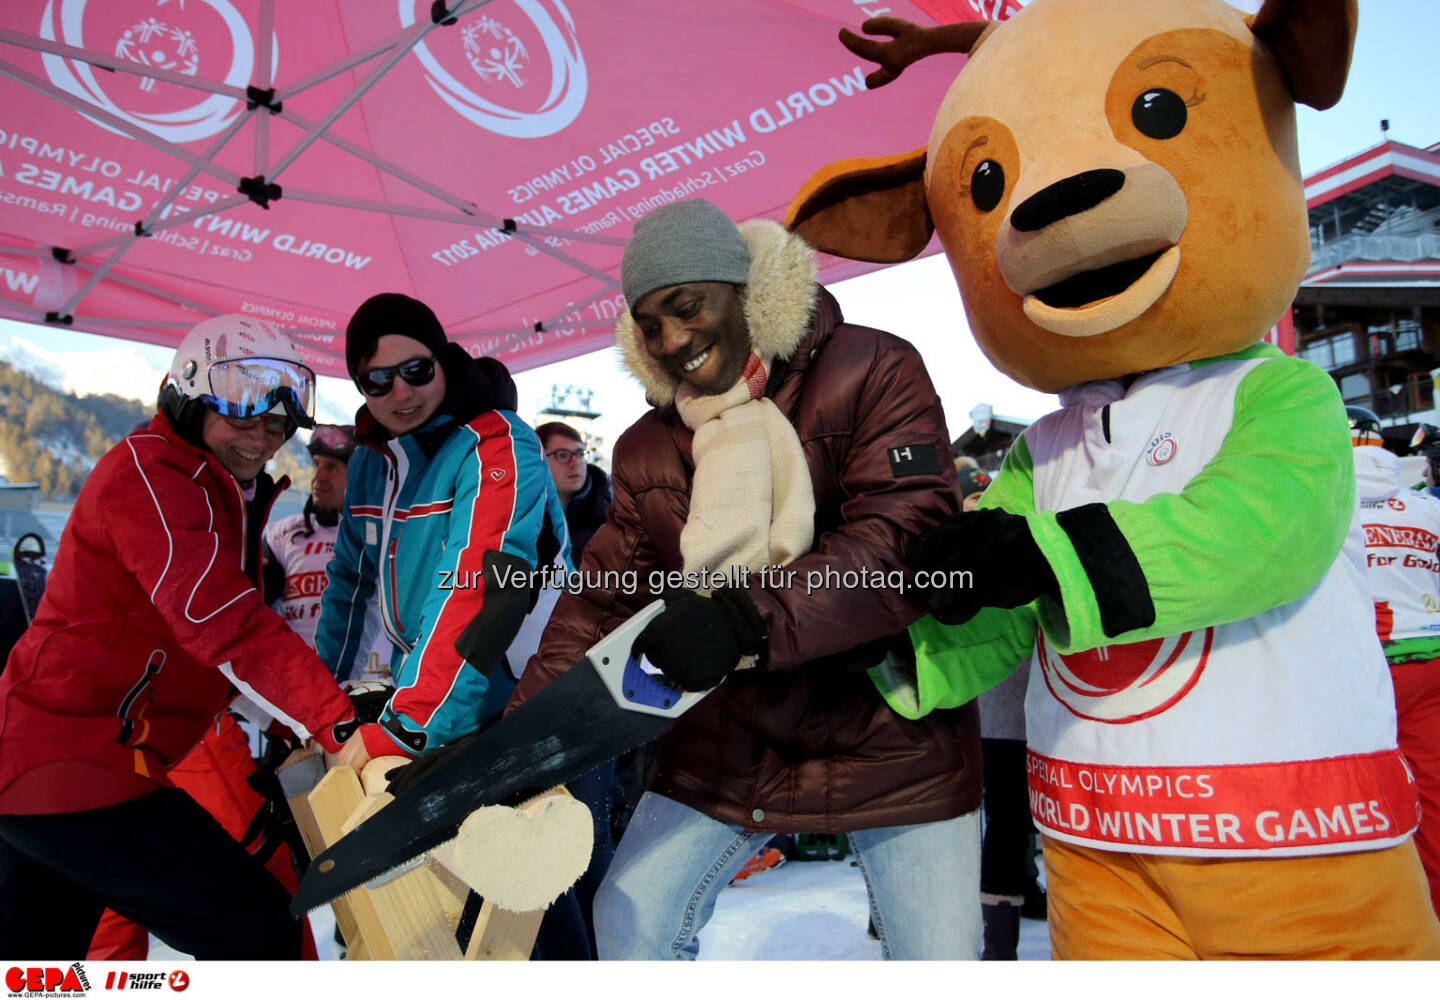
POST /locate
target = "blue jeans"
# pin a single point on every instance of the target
(923, 880)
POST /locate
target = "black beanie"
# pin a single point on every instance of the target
(386, 313)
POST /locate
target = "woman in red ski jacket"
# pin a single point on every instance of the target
(150, 623)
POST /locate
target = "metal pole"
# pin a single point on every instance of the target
(119, 64)
(148, 223)
(418, 32)
(116, 122)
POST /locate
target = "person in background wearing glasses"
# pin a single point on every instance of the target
(152, 619)
(449, 509)
(584, 488)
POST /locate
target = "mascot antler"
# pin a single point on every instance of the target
(910, 44)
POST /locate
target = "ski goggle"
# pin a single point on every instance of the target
(249, 387)
(379, 381)
(333, 437)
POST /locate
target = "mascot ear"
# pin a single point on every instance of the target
(1313, 39)
(865, 209)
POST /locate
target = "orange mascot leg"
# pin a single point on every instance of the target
(1361, 905)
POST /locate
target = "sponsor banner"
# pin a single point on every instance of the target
(1301, 807)
(1402, 536)
(300, 585)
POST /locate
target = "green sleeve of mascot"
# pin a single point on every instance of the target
(1282, 483)
(954, 664)
(1257, 528)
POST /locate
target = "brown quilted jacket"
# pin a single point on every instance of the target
(804, 744)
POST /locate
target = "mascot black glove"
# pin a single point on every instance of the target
(1005, 565)
(697, 641)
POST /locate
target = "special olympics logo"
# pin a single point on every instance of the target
(1128, 682)
(209, 39)
(503, 54)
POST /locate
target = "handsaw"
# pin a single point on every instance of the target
(605, 704)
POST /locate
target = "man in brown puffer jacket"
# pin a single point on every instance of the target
(780, 435)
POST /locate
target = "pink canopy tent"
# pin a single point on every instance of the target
(164, 160)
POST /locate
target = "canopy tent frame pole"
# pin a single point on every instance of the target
(380, 163)
(528, 331)
(512, 335)
(304, 334)
(160, 225)
(160, 293)
(20, 76)
(147, 225)
(120, 65)
(400, 51)
(565, 258)
(18, 251)
(554, 321)
(260, 153)
(480, 218)
(473, 212)
(344, 64)
(169, 324)
(10, 309)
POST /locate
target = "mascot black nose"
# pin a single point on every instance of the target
(1063, 199)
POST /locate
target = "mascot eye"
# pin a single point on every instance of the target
(987, 184)
(1159, 113)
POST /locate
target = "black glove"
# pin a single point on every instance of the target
(405, 775)
(273, 824)
(368, 699)
(1006, 567)
(697, 641)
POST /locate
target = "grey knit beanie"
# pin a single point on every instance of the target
(689, 240)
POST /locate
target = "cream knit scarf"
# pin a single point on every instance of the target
(751, 501)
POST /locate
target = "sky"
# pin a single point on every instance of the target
(1392, 77)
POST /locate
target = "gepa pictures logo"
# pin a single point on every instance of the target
(202, 38)
(514, 67)
(41, 980)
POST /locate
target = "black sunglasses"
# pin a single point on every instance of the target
(378, 381)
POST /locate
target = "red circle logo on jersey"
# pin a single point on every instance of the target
(1126, 682)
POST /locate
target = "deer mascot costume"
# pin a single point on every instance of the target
(1212, 752)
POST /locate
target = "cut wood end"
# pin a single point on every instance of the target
(372, 776)
(523, 859)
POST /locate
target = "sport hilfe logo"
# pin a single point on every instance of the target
(204, 38)
(493, 73)
(177, 980)
(46, 979)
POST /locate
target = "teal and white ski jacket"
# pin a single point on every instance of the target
(421, 513)
(1210, 681)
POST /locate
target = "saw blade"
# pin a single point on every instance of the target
(567, 728)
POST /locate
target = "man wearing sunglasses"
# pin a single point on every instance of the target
(449, 509)
(152, 620)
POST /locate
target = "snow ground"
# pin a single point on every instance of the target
(814, 910)
(810, 910)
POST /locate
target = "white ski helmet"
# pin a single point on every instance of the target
(239, 367)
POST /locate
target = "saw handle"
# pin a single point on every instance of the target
(613, 658)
